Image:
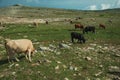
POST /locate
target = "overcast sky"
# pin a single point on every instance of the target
(67, 4)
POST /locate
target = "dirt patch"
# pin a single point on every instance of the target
(28, 20)
(20, 20)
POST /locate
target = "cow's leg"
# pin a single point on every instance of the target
(26, 56)
(14, 55)
(17, 59)
(29, 55)
(78, 40)
(81, 41)
(10, 56)
(72, 39)
(93, 31)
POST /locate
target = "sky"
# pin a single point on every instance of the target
(66, 4)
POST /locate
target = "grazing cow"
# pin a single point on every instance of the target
(92, 19)
(102, 26)
(46, 22)
(79, 26)
(79, 18)
(19, 46)
(0, 23)
(35, 24)
(71, 21)
(89, 29)
(110, 21)
(78, 36)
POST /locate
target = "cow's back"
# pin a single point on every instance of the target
(20, 45)
(24, 44)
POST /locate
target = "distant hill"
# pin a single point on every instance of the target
(36, 12)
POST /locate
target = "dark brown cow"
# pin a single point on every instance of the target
(0, 23)
(35, 24)
(102, 26)
(79, 26)
(46, 22)
(89, 29)
(71, 21)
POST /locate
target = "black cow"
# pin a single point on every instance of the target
(78, 36)
(89, 29)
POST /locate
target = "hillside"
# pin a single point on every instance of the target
(25, 14)
(35, 12)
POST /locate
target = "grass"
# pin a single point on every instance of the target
(48, 33)
(69, 63)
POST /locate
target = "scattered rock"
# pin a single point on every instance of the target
(1, 76)
(99, 47)
(1, 45)
(117, 55)
(93, 44)
(13, 73)
(61, 45)
(52, 46)
(73, 68)
(99, 73)
(88, 58)
(57, 67)
(64, 66)
(10, 66)
(91, 48)
(58, 53)
(100, 66)
(97, 79)
(66, 78)
(58, 62)
(105, 48)
(114, 69)
(35, 64)
(16, 65)
(45, 49)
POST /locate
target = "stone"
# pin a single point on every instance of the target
(114, 69)
(58, 53)
(13, 73)
(93, 44)
(66, 78)
(99, 73)
(52, 46)
(61, 45)
(57, 67)
(16, 65)
(42, 48)
(88, 58)
(10, 66)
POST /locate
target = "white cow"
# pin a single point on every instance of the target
(19, 46)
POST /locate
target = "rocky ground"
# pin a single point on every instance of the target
(93, 53)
